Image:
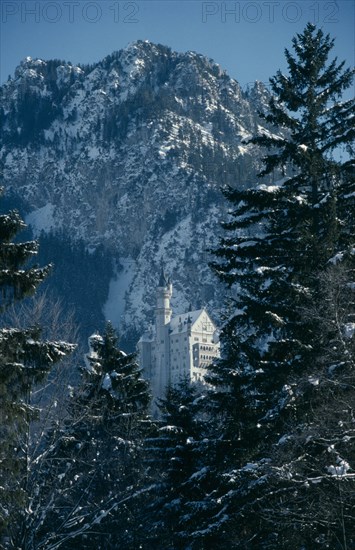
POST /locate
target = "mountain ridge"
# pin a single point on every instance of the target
(131, 153)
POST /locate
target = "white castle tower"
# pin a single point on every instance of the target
(160, 371)
(176, 348)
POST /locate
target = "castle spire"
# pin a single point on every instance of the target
(164, 281)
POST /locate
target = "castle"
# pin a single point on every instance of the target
(176, 348)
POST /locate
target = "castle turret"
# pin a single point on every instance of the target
(163, 314)
(163, 310)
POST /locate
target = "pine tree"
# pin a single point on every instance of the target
(280, 241)
(303, 494)
(280, 236)
(308, 105)
(185, 512)
(97, 457)
(25, 360)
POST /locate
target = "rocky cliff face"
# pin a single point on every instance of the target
(131, 153)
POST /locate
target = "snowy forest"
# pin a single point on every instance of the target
(261, 456)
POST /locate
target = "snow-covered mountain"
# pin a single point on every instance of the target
(131, 152)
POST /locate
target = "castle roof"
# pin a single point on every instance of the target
(164, 279)
(178, 324)
(181, 322)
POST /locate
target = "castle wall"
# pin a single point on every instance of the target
(179, 357)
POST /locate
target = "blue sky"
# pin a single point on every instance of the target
(247, 38)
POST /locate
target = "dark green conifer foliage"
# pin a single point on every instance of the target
(281, 361)
(265, 339)
(79, 278)
(98, 456)
(280, 236)
(308, 104)
(15, 282)
(25, 360)
(184, 512)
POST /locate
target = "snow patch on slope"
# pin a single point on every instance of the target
(42, 219)
(119, 287)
